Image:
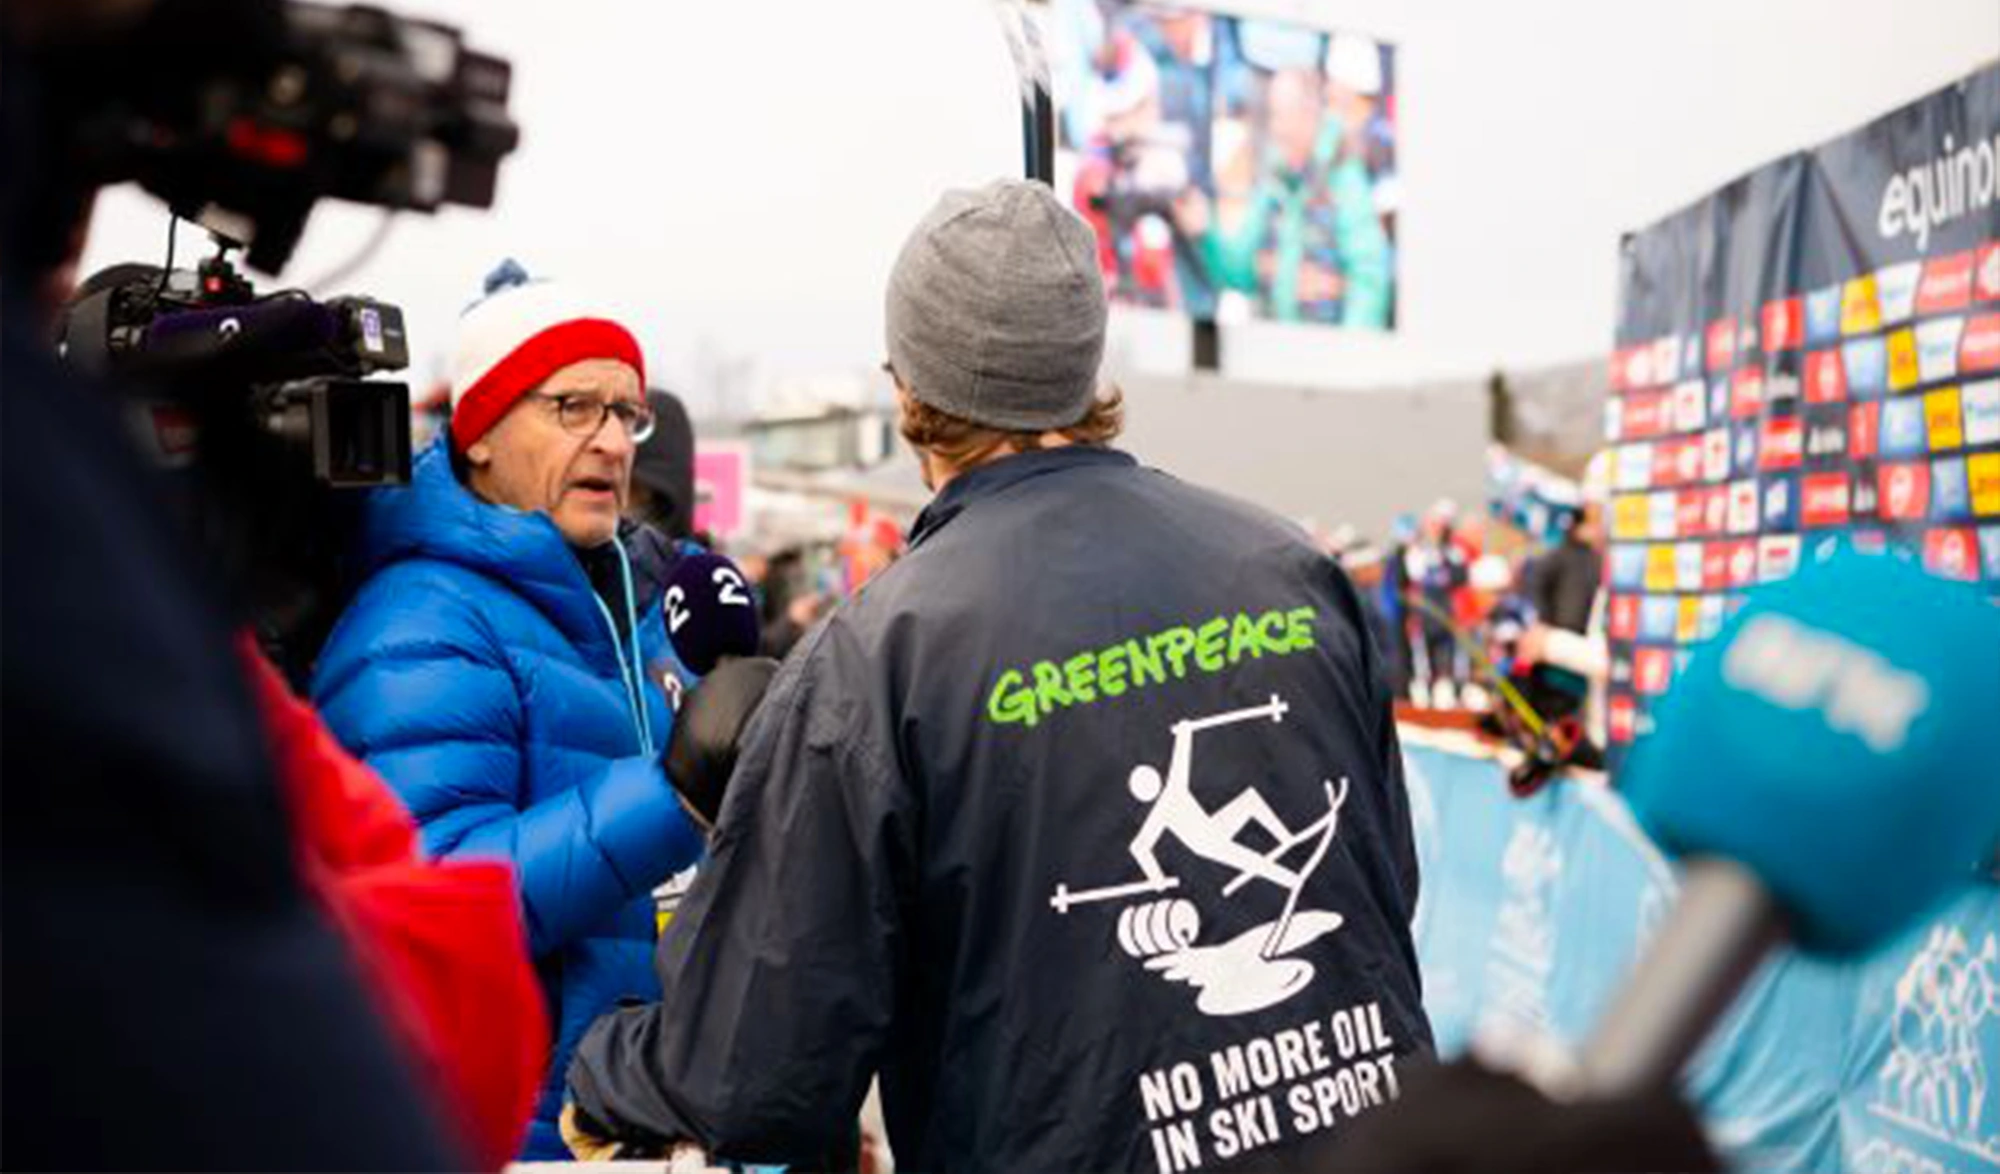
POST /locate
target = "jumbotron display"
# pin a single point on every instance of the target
(1233, 167)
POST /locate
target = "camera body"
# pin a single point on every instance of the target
(263, 404)
(294, 369)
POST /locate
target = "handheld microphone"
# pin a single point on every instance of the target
(1828, 772)
(710, 612)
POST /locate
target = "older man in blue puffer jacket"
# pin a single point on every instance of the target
(500, 665)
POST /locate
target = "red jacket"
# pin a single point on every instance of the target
(441, 942)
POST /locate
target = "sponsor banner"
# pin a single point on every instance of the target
(1946, 284)
(1981, 402)
(1687, 566)
(1896, 291)
(1906, 491)
(1742, 563)
(1952, 553)
(1826, 434)
(1903, 370)
(1632, 467)
(1986, 273)
(1711, 617)
(1644, 415)
(1982, 477)
(1722, 344)
(1782, 443)
(1941, 419)
(1860, 313)
(1784, 321)
(1823, 316)
(1715, 450)
(1661, 574)
(1715, 566)
(1628, 568)
(1979, 350)
(1842, 304)
(1620, 720)
(1866, 362)
(1621, 618)
(1652, 670)
(1903, 428)
(1746, 393)
(1826, 381)
(1777, 557)
(1663, 514)
(1866, 496)
(1630, 518)
(1690, 406)
(1715, 510)
(1687, 624)
(1691, 513)
(1743, 507)
(1780, 510)
(1951, 499)
(1743, 445)
(1823, 500)
(1656, 618)
(1864, 431)
(1937, 348)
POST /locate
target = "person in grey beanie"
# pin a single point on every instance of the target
(1082, 825)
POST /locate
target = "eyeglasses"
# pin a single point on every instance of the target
(583, 415)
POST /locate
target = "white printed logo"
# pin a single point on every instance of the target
(1252, 970)
(1797, 667)
(1935, 1081)
(1961, 180)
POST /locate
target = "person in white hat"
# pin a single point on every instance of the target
(500, 664)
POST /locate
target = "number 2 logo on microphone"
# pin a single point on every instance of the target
(731, 591)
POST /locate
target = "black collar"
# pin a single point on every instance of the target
(987, 480)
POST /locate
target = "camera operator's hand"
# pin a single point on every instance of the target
(702, 752)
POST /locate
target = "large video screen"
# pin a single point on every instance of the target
(1233, 167)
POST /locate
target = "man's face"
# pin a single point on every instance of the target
(1295, 113)
(532, 462)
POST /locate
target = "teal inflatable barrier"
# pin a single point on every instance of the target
(1533, 910)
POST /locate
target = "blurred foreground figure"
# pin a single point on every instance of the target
(222, 950)
(1080, 821)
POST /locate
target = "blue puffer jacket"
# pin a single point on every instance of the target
(479, 672)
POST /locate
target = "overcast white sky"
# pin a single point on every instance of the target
(738, 175)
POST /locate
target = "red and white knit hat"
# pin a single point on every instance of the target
(521, 333)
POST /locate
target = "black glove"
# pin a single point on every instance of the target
(702, 752)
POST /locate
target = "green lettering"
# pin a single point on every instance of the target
(1243, 638)
(1298, 625)
(1049, 691)
(1209, 642)
(1178, 642)
(1011, 700)
(1079, 670)
(1146, 663)
(1271, 625)
(1111, 670)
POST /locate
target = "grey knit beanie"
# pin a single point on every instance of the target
(996, 310)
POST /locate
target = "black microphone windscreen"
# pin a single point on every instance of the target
(710, 611)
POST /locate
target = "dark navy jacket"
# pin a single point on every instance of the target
(1083, 824)
(483, 676)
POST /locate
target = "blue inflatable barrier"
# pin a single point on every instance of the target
(1533, 911)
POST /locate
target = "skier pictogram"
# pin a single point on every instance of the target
(1250, 971)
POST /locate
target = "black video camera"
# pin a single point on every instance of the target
(241, 115)
(293, 368)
